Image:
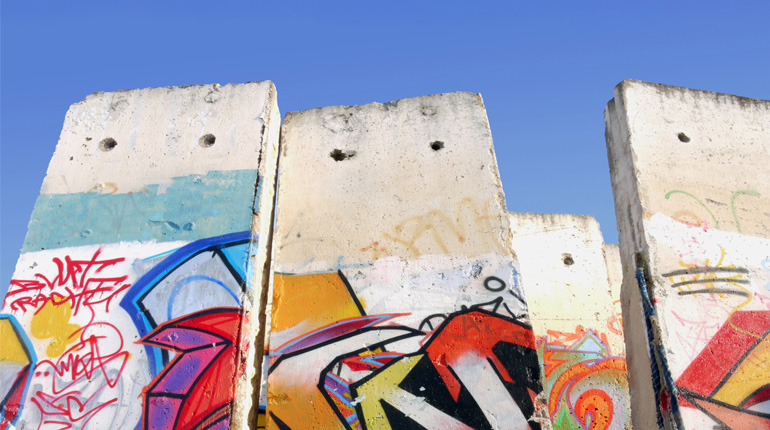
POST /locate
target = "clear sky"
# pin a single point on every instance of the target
(545, 70)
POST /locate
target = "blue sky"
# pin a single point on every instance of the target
(545, 70)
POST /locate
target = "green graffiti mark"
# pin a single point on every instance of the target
(732, 204)
(716, 223)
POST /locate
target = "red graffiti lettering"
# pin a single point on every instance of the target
(80, 377)
(76, 282)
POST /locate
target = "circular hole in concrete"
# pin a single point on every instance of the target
(108, 144)
(207, 140)
(436, 145)
(683, 137)
(339, 155)
(568, 261)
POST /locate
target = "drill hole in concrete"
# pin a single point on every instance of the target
(339, 155)
(207, 140)
(436, 145)
(108, 144)
(567, 260)
(683, 137)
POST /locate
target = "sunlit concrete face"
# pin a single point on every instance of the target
(571, 296)
(689, 174)
(396, 299)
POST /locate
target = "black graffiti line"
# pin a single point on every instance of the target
(710, 281)
(514, 315)
(494, 278)
(690, 396)
(695, 270)
(715, 291)
(523, 302)
(496, 310)
(213, 415)
(496, 302)
(760, 389)
(279, 423)
(233, 271)
(426, 320)
(352, 293)
(687, 393)
(172, 395)
(146, 340)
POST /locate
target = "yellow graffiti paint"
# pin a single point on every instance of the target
(383, 386)
(315, 300)
(52, 321)
(298, 405)
(11, 348)
(751, 375)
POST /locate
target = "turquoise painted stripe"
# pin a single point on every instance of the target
(193, 207)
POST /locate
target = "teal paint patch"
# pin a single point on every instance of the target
(193, 207)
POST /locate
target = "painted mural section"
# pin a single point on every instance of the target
(364, 360)
(694, 235)
(717, 311)
(130, 306)
(576, 322)
(396, 301)
(100, 338)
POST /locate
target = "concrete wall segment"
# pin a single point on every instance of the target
(156, 168)
(578, 330)
(392, 243)
(132, 304)
(694, 165)
(565, 272)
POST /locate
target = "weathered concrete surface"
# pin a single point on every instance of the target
(396, 298)
(580, 338)
(146, 245)
(689, 174)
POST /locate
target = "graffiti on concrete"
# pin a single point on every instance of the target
(213, 268)
(729, 379)
(713, 316)
(108, 337)
(17, 359)
(586, 385)
(476, 367)
(195, 390)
